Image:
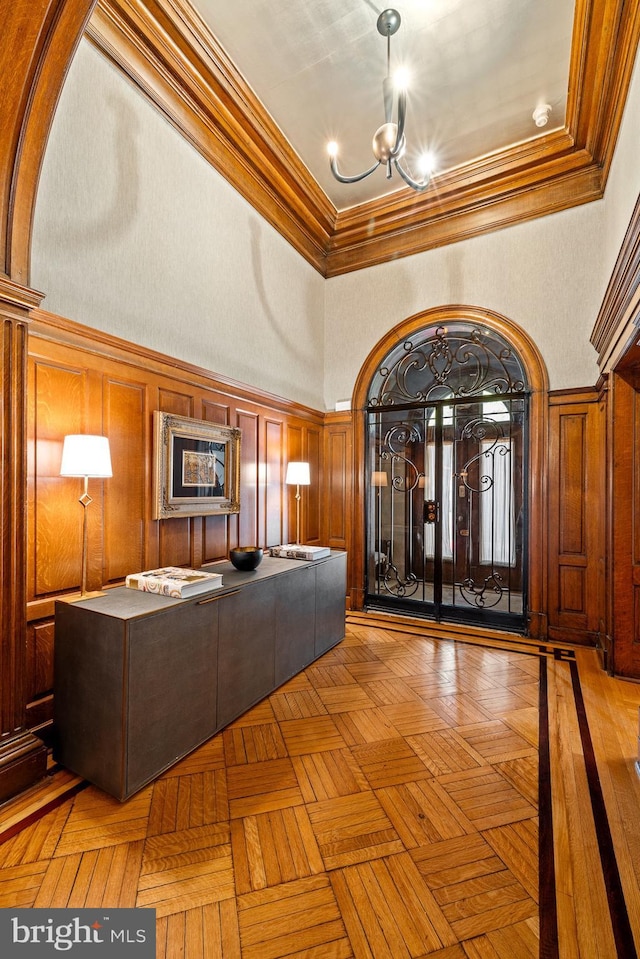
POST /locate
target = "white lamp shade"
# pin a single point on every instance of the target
(85, 455)
(298, 474)
(379, 478)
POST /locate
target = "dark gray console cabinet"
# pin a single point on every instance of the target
(141, 680)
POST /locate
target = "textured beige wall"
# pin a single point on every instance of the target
(548, 276)
(135, 234)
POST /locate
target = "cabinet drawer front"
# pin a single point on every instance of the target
(89, 698)
(172, 688)
(330, 603)
(295, 623)
(246, 649)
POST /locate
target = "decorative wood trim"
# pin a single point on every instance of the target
(164, 47)
(619, 318)
(172, 56)
(58, 329)
(576, 492)
(39, 39)
(22, 755)
(83, 379)
(577, 394)
(538, 444)
(337, 487)
(459, 212)
(623, 528)
(168, 51)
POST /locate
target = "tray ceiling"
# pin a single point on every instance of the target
(477, 72)
(260, 88)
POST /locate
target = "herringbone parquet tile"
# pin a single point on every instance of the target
(383, 804)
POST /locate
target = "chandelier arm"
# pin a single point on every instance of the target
(351, 179)
(415, 184)
(402, 112)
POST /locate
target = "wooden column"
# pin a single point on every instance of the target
(23, 756)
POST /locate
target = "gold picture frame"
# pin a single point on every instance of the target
(196, 467)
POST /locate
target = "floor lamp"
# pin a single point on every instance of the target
(298, 475)
(86, 456)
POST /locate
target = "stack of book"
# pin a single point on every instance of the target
(298, 551)
(174, 581)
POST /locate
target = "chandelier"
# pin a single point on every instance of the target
(389, 140)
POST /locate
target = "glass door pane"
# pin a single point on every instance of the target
(400, 479)
(487, 482)
(446, 520)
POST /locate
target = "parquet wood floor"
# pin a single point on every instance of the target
(406, 796)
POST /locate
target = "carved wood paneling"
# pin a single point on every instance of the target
(337, 487)
(213, 528)
(121, 549)
(22, 755)
(59, 514)
(576, 517)
(338, 446)
(617, 321)
(85, 381)
(175, 534)
(305, 444)
(247, 522)
(312, 510)
(622, 454)
(274, 468)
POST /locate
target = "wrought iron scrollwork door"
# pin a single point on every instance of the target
(447, 446)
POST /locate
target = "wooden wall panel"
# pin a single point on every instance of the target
(39, 659)
(125, 495)
(624, 548)
(340, 524)
(82, 380)
(54, 562)
(215, 412)
(337, 482)
(174, 535)
(572, 444)
(274, 500)
(312, 501)
(244, 528)
(296, 454)
(214, 528)
(304, 444)
(576, 517)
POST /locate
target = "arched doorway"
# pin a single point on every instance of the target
(450, 458)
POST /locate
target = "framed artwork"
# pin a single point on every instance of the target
(196, 467)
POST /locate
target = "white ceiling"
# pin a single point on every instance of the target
(478, 69)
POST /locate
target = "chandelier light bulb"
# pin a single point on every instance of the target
(401, 79)
(332, 148)
(388, 142)
(426, 163)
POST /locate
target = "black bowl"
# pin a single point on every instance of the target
(246, 558)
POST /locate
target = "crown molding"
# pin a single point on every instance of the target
(165, 49)
(170, 54)
(618, 320)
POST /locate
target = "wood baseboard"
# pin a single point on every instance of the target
(23, 762)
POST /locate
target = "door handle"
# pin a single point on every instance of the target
(431, 510)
